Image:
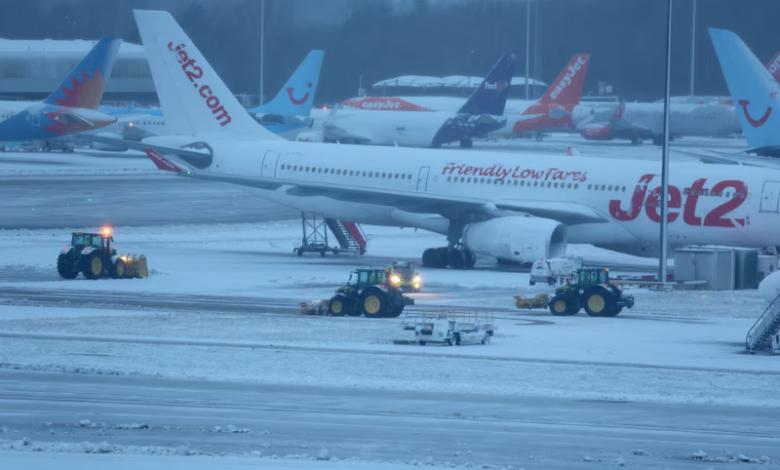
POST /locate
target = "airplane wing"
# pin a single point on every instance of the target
(130, 117)
(197, 158)
(723, 158)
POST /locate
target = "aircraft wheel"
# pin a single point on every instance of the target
(430, 257)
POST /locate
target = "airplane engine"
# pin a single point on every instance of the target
(107, 147)
(596, 132)
(770, 287)
(521, 239)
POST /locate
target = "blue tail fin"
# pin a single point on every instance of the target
(84, 86)
(754, 91)
(297, 95)
(490, 97)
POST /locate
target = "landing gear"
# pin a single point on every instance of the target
(456, 258)
(466, 143)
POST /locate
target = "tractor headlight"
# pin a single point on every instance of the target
(395, 279)
(416, 279)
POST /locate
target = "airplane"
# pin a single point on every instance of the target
(282, 115)
(558, 109)
(71, 108)
(755, 90)
(639, 121)
(517, 208)
(476, 118)
(287, 114)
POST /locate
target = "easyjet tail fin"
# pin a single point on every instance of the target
(774, 66)
(567, 88)
(193, 97)
(755, 93)
(490, 97)
(297, 96)
(84, 86)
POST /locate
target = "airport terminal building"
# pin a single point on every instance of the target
(31, 69)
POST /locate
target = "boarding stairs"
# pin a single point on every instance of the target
(764, 336)
(349, 235)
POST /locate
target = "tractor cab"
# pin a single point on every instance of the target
(94, 240)
(587, 277)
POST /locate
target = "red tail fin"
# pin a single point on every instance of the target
(619, 111)
(774, 66)
(567, 88)
(161, 162)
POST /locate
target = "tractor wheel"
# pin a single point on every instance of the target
(339, 306)
(93, 266)
(65, 267)
(373, 303)
(560, 307)
(599, 303)
(430, 257)
(119, 269)
(469, 258)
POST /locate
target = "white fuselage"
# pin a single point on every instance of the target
(684, 119)
(709, 204)
(404, 128)
(513, 112)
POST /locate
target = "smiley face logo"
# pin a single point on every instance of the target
(754, 122)
(298, 101)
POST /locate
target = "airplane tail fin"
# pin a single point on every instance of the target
(84, 86)
(774, 66)
(490, 97)
(753, 89)
(297, 95)
(193, 97)
(567, 88)
(619, 111)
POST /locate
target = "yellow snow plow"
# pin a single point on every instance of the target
(537, 301)
(135, 265)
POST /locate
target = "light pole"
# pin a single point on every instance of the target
(527, 43)
(664, 196)
(262, 46)
(693, 44)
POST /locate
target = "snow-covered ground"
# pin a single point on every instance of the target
(673, 347)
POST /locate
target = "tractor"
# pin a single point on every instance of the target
(373, 295)
(92, 255)
(592, 290)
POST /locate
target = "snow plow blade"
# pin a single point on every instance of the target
(314, 307)
(135, 265)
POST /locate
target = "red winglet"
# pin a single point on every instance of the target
(161, 162)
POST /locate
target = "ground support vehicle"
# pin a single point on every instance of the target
(537, 301)
(403, 276)
(592, 290)
(551, 270)
(92, 255)
(372, 295)
(452, 328)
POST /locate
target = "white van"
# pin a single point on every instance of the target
(549, 270)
